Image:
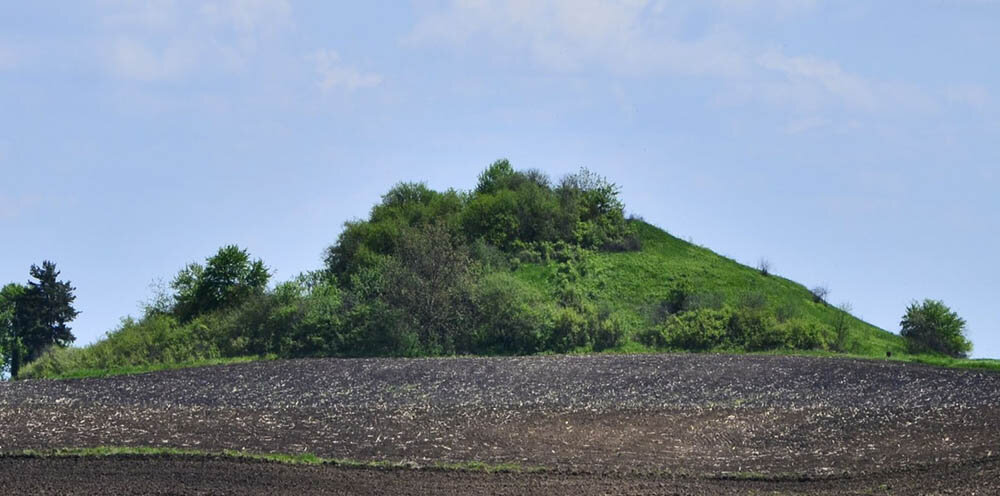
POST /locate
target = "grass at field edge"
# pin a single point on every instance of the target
(628, 349)
(284, 458)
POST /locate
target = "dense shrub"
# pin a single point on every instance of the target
(509, 209)
(804, 334)
(571, 330)
(512, 316)
(158, 339)
(755, 330)
(431, 285)
(678, 297)
(611, 331)
(698, 330)
(932, 327)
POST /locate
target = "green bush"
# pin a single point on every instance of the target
(513, 317)
(158, 339)
(571, 330)
(698, 330)
(755, 330)
(932, 327)
(611, 331)
(678, 297)
(804, 334)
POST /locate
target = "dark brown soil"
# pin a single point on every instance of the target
(847, 425)
(204, 475)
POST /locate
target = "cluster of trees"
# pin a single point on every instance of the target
(34, 317)
(435, 267)
(510, 211)
(427, 273)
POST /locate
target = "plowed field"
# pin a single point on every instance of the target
(646, 424)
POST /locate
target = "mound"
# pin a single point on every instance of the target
(517, 266)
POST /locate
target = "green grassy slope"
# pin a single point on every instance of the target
(630, 281)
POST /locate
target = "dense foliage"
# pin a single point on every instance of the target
(931, 326)
(519, 265)
(35, 317)
(10, 346)
(227, 279)
(509, 210)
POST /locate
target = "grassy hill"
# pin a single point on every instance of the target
(517, 266)
(632, 281)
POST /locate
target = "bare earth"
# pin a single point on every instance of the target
(645, 424)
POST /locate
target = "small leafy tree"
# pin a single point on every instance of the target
(842, 327)
(933, 327)
(227, 279)
(10, 345)
(497, 176)
(430, 282)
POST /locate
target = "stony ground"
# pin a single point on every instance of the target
(622, 424)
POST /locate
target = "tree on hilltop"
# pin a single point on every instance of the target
(227, 279)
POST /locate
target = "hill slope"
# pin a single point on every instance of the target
(631, 281)
(518, 265)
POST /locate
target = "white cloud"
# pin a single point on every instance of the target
(569, 35)
(779, 8)
(148, 15)
(249, 15)
(334, 74)
(642, 38)
(804, 75)
(166, 39)
(639, 37)
(133, 59)
(169, 15)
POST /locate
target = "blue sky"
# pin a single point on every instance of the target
(853, 144)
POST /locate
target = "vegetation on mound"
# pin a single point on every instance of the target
(519, 265)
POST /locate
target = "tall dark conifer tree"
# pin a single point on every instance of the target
(42, 313)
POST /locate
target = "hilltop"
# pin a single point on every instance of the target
(519, 265)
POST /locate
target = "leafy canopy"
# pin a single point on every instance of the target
(227, 279)
(9, 344)
(931, 326)
(35, 317)
(509, 209)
